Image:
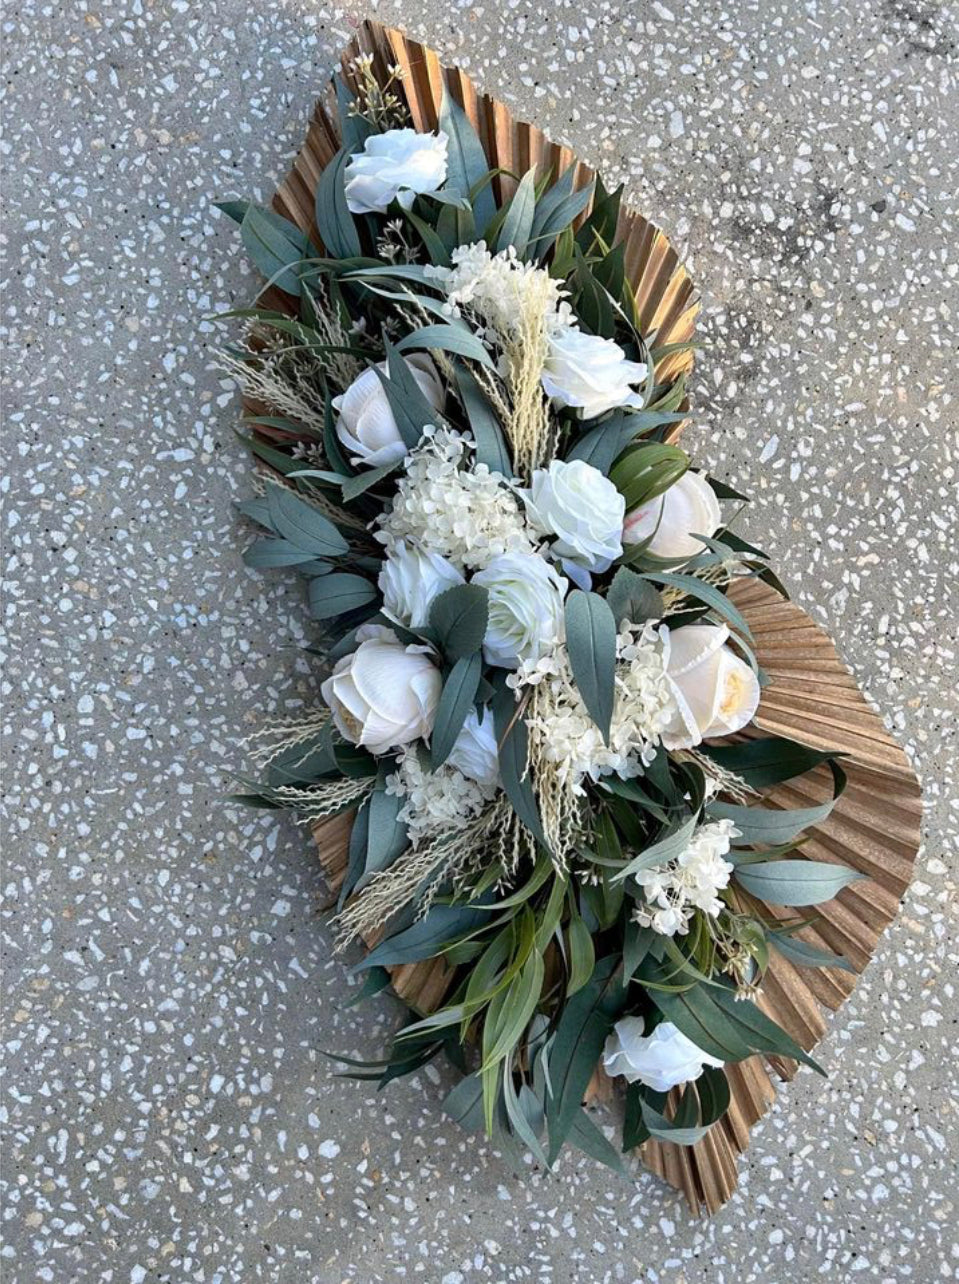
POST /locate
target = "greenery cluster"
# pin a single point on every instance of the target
(542, 960)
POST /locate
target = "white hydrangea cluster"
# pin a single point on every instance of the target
(465, 514)
(501, 291)
(437, 802)
(569, 738)
(676, 890)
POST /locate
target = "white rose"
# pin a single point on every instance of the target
(575, 502)
(475, 752)
(384, 695)
(688, 508)
(409, 581)
(395, 166)
(525, 607)
(661, 1060)
(590, 373)
(366, 426)
(716, 692)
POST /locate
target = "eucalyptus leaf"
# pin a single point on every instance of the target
(334, 221)
(591, 644)
(458, 618)
(443, 925)
(802, 954)
(518, 221)
(512, 735)
(456, 701)
(484, 424)
(447, 338)
(265, 553)
(466, 162)
(303, 525)
(768, 761)
(632, 598)
(795, 882)
(339, 593)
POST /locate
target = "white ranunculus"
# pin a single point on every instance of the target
(687, 509)
(395, 165)
(475, 752)
(409, 581)
(385, 694)
(661, 1060)
(590, 374)
(525, 607)
(716, 692)
(576, 503)
(365, 423)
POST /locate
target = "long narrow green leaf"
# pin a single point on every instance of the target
(333, 218)
(466, 161)
(459, 692)
(591, 643)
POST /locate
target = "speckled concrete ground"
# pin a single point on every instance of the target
(169, 1115)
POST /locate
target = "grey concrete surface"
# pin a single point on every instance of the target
(167, 1110)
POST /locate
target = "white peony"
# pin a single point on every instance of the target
(395, 165)
(409, 581)
(716, 692)
(525, 608)
(589, 373)
(475, 752)
(366, 426)
(575, 502)
(385, 694)
(661, 1060)
(687, 509)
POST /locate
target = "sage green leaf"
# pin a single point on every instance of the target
(587, 1137)
(668, 1130)
(466, 162)
(766, 762)
(356, 853)
(556, 210)
(411, 411)
(718, 1023)
(802, 954)
(703, 592)
(602, 445)
(669, 847)
(377, 979)
(637, 942)
(386, 834)
(274, 244)
(354, 129)
(456, 701)
(518, 221)
(795, 882)
(353, 487)
(770, 826)
(632, 598)
(484, 424)
(591, 643)
(525, 1114)
(336, 594)
(257, 509)
(264, 553)
(447, 338)
(464, 1103)
(303, 525)
(334, 221)
(443, 925)
(439, 254)
(458, 618)
(581, 1031)
(582, 956)
(518, 1005)
(512, 736)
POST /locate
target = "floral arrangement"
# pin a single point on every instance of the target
(538, 681)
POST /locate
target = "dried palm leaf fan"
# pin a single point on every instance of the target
(874, 827)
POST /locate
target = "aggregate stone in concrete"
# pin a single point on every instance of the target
(170, 985)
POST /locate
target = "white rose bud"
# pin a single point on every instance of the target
(475, 752)
(366, 426)
(716, 692)
(688, 508)
(384, 695)
(396, 165)
(591, 374)
(409, 581)
(661, 1060)
(525, 608)
(575, 502)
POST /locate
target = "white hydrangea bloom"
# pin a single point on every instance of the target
(466, 514)
(437, 802)
(500, 291)
(643, 706)
(676, 890)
